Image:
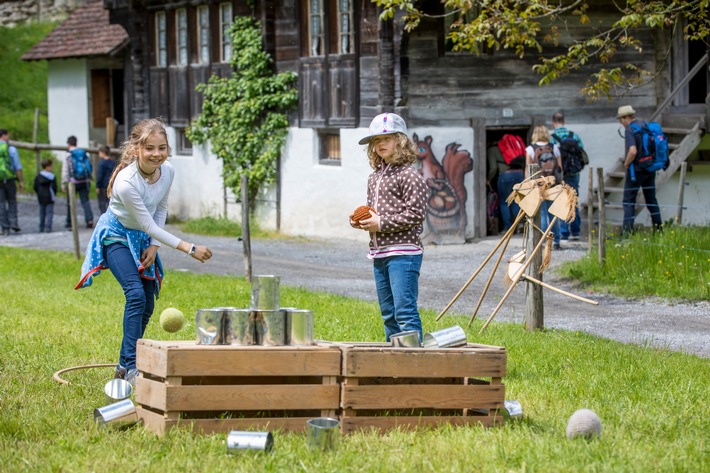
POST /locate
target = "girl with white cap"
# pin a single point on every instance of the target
(398, 194)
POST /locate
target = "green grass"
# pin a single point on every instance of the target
(24, 89)
(652, 402)
(672, 264)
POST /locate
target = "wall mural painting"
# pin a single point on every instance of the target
(446, 209)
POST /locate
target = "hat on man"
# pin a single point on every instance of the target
(625, 111)
(385, 124)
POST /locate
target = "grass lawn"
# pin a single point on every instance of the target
(653, 403)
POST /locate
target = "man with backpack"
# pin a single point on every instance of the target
(77, 169)
(574, 158)
(10, 171)
(637, 177)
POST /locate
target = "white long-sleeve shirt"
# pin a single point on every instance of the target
(142, 206)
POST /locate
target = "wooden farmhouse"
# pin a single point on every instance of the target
(351, 66)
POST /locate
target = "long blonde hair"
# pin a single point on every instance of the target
(405, 152)
(541, 133)
(130, 148)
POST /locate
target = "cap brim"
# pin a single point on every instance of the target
(367, 139)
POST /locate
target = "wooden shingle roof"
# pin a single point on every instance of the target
(86, 32)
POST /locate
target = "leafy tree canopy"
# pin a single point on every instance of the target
(244, 116)
(524, 26)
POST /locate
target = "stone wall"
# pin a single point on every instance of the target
(17, 12)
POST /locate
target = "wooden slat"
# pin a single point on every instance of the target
(151, 359)
(151, 393)
(415, 363)
(152, 421)
(352, 424)
(422, 396)
(252, 397)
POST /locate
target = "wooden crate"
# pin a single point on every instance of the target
(386, 387)
(221, 388)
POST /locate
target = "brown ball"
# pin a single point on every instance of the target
(362, 213)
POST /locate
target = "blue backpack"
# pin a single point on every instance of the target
(81, 165)
(653, 151)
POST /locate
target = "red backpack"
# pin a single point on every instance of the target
(513, 149)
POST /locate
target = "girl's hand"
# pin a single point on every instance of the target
(371, 224)
(148, 256)
(202, 253)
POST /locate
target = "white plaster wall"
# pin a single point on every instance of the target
(197, 188)
(68, 102)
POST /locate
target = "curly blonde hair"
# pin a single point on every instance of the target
(405, 151)
(130, 148)
(541, 133)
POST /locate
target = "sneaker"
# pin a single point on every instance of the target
(556, 246)
(565, 238)
(120, 372)
(574, 238)
(16, 229)
(90, 224)
(131, 376)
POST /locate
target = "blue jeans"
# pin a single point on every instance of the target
(397, 282)
(8, 204)
(574, 226)
(545, 219)
(46, 214)
(506, 181)
(646, 181)
(140, 299)
(82, 188)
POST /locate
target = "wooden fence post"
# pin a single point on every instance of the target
(681, 191)
(246, 238)
(534, 303)
(590, 210)
(71, 188)
(35, 130)
(602, 216)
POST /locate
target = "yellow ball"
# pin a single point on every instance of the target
(172, 319)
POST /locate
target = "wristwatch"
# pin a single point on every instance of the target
(193, 248)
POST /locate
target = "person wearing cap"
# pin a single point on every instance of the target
(398, 194)
(636, 177)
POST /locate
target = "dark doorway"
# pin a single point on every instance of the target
(698, 86)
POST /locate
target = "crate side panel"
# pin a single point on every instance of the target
(421, 363)
(252, 397)
(352, 424)
(151, 393)
(422, 396)
(240, 362)
(151, 358)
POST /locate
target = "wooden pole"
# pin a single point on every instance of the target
(519, 274)
(490, 278)
(72, 213)
(681, 191)
(590, 210)
(246, 238)
(602, 216)
(35, 130)
(110, 132)
(507, 235)
(534, 303)
(558, 290)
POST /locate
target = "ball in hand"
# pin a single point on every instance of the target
(362, 213)
(584, 423)
(172, 319)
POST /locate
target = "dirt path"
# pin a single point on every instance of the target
(340, 267)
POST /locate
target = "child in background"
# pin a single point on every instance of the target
(106, 165)
(45, 186)
(398, 194)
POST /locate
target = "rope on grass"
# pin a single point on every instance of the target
(57, 376)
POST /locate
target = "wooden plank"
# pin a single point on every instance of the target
(151, 393)
(152, 421)
(252, 397)
(216, 426)
(382, 423)
(422, 396)
(424, 363)
(151, 358)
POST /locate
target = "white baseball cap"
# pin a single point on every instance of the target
(385, 124)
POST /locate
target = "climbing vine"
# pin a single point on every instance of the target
(244, 116)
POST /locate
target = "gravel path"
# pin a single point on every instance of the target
(340, 267)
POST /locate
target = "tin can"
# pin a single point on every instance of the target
(239, 441)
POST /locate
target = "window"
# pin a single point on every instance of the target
(203, 34)
(184, 145)
(315, 28)
(330, 147)
(345, 24)
(225, 22)
(161, 40)
(181, 25)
